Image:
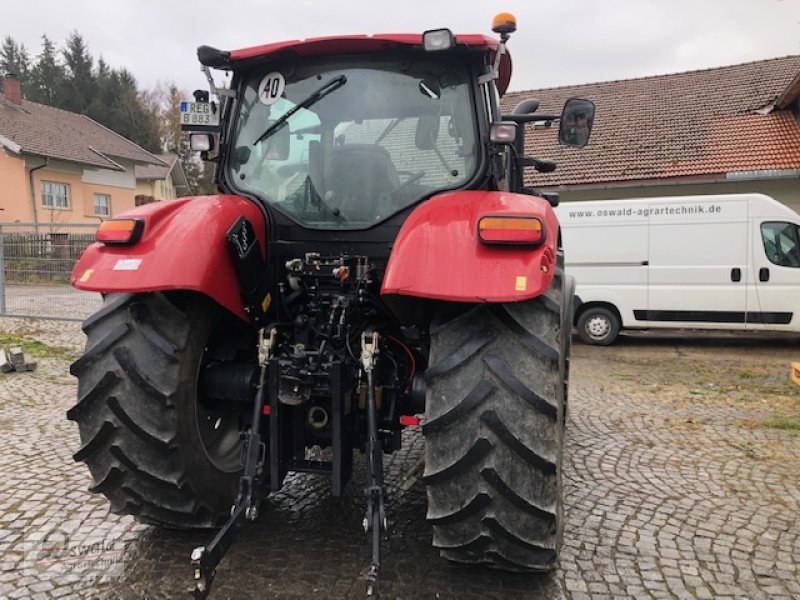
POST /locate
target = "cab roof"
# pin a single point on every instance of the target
(358, 44)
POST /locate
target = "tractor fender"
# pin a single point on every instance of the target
(182, 247)
(438, 255)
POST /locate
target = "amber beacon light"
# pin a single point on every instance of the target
(504, 24)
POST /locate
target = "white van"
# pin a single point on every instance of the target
(701, 262)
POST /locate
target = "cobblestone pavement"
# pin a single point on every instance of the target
(674, 489)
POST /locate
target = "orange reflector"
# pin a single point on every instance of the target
(510, 230)
(120, 231)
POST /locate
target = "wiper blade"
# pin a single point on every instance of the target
(333, 85)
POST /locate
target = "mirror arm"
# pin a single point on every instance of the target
(220, 93)
(553, 198)
(530, 118)
(541, 165)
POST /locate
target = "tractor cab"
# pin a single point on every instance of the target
(345, 133)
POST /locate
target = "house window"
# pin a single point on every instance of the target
(55, 195)
(102, 205)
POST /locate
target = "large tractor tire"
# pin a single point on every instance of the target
(494, 431)
(154, 447)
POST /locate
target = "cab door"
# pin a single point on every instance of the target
(776, 276)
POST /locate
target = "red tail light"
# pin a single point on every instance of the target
(120, 231)
(511, 230)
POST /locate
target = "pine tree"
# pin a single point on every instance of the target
(107, 90)
(79, 85)
(14, 60)
(47, 75)
(129, 116)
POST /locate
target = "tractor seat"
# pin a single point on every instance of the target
(361, 179)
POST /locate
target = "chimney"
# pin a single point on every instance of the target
(12, 90)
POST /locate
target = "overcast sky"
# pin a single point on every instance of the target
(558, 42)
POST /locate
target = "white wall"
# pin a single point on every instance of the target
(123, 179)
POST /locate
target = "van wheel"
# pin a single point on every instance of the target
(598, 326)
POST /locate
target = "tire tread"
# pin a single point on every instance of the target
(494, 432)
(128, 381)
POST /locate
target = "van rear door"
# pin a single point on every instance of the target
(698, 264)
(605, 245)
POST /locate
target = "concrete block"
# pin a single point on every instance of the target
(5, 364)
(16, 357)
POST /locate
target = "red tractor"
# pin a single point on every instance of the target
(373, 255)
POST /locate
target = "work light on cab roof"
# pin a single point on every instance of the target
(438, 39)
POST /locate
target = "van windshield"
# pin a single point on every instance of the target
(345, 144)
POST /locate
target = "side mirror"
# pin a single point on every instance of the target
(427, 132)
(576, 122)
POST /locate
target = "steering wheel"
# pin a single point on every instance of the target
(413, 178)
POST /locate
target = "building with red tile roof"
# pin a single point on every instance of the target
(62, 167)
(722, 130)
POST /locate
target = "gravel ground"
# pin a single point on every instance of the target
(48, 301)
(675, 488)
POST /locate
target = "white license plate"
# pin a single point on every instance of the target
(198, 113)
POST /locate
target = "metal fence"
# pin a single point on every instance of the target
(35, 265)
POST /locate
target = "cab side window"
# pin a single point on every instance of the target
(781, 243)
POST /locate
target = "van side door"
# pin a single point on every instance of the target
(698, 264)
(776, 276)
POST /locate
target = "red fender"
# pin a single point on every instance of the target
(182, 248)
(437, 253)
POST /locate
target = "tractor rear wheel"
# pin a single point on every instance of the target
(494, 431)
(154, 447)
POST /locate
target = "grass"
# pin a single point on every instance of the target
(36, 349)
(790, 424)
